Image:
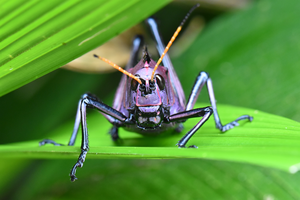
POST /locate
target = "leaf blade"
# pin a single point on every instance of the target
(265, 141)
(41, 56)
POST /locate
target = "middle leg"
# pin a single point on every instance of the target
(202, 79)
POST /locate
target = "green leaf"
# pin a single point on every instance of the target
(156, 179)
(265, 141)
(252, 57)
(38, 37)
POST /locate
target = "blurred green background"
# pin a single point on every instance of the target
(252, 56)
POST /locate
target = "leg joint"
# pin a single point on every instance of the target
(85, 95)
(206, 110)
(85, 98)
(204, 74)
(90, 96)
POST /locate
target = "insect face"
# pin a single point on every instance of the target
(148, 101)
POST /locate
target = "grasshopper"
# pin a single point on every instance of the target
(149, 99)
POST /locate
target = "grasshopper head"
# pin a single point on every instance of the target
(148, 93)
(149, 96)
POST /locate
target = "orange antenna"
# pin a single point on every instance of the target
(173, 38)
(119, 68)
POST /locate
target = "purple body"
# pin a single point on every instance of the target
(149, 104)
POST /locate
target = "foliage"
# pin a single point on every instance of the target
(252, 57)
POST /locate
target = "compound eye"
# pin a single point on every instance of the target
(152, 85)
(160, 81)
(134, 84)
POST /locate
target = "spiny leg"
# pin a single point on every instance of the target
(202, 79)
(91, 101)
(80, 118)
(205, 113)
(84, 142)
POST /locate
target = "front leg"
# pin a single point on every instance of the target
(201, 80)
(205, 113)
(90, 101)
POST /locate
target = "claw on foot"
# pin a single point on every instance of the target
(183, 146)
(250, 118)
(47, 141)
(73, 178)
(79, 163)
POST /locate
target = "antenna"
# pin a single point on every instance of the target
(119, 68)
(173, 38)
